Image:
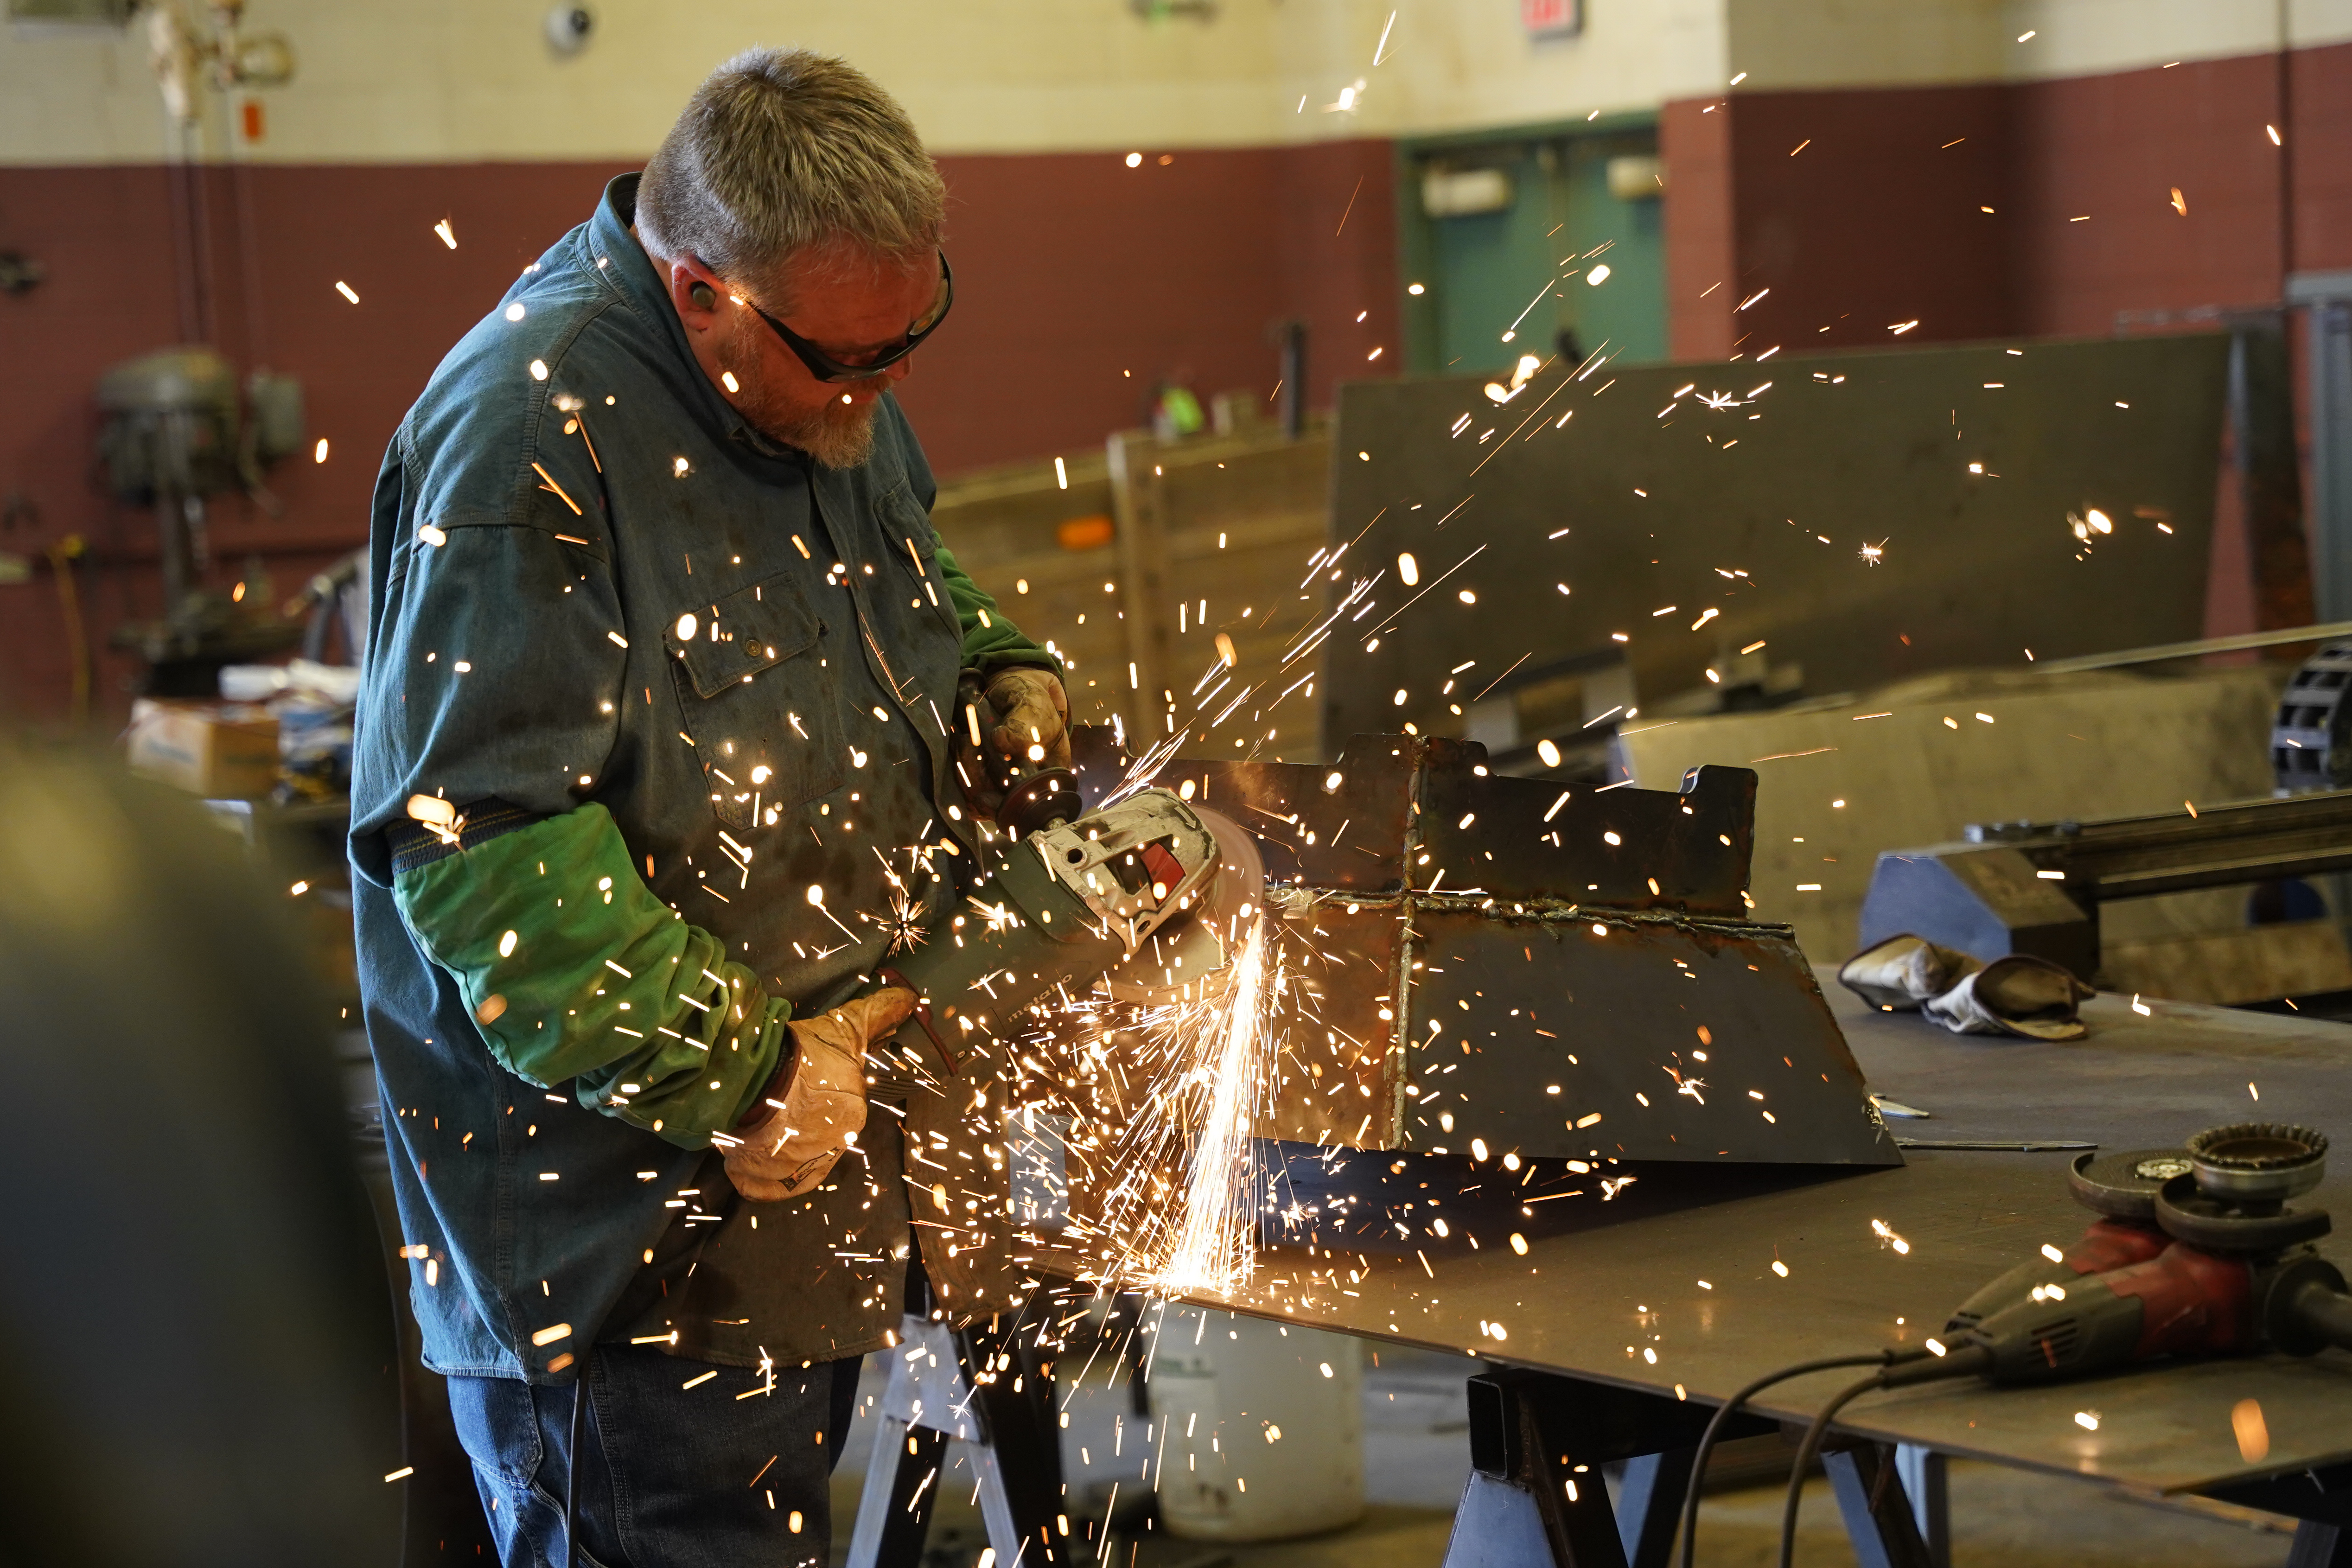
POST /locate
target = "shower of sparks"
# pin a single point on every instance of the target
(1213, 1249)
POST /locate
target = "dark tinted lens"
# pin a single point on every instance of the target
(938, 305)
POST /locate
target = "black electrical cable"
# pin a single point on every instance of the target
(1730, 1406)
(1805, 1452)
(572, 1467)
(1955, 1364)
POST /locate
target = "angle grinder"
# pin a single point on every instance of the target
(2237, 1272)
(2121, 1189)
(2195, 1251)
(1139, 899)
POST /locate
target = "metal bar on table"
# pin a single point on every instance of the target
(2201, 646)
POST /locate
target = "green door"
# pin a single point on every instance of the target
(1627, 309)
(1515, 279)
(1490, 267)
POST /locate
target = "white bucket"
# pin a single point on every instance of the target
(1260, 1426)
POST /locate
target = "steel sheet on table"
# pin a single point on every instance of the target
(1602, 1282)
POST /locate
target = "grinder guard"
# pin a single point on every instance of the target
(1066, 907)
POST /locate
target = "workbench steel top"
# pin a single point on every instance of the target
(1602, 1283)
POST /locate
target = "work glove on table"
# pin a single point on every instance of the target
(816, 1103)
(2019, 995)
(1030, 732)
(1905, 972)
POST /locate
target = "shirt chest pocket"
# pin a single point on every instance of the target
(761, 703)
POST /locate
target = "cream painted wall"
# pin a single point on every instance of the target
(424, 80)
(2083, 38)
(1460, 64)
(1851, 43)
(1840, 43)
(447, 79)
(435, 80)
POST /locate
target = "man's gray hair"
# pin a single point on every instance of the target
(781, 151)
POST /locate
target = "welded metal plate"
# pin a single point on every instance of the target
(1654, 509)
(1343, 826)
(1465, 955)
(1641, 1039)
(1638, 849)
(1396, 812)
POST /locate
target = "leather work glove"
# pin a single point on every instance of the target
(1033, 725)
(816, 1103)
(1019, 711)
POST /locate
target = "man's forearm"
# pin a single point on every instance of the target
(574, 969)
(990, 642)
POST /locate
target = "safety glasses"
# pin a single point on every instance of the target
(825, 367)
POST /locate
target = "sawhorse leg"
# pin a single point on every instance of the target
(1536, 1494)
(2320, 1498)
(1649, 1505)
(1879, 1517)
(1926, 1478)
(944, 1384)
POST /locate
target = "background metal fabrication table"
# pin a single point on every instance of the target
(1603, 1283)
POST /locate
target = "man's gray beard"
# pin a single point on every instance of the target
(838, 436)
(833, 440)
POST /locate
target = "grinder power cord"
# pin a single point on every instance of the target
(2195, 1251)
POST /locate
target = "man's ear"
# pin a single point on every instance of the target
(695, 294)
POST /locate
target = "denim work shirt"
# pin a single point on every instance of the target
(644, 655)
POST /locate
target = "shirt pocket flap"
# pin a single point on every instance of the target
(748, 631)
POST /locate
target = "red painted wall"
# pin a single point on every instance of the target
(1070, 270)
(1702, 262)
(2320, 88)
(1083, 270)
(1877, 220)
(2129, 140)
(1862, 210)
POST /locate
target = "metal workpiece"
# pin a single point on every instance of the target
(1434, 1024)
(1635, 1037)
(1552, 971)
(2036, 888)
(1398, 812)
(1628, 848)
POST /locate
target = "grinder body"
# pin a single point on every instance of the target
(1065, 906)
(2183, 1301)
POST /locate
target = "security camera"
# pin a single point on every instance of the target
(568, 27)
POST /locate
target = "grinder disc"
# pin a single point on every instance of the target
(1197, 951)
(1240, 881)
(2123, 1185)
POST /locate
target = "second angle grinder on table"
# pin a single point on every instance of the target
(2196, 1251)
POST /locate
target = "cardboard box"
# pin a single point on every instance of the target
(221, 750)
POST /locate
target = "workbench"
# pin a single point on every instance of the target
(1680, 1265)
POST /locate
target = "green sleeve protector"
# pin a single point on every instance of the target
(574, 969)
(990, 641)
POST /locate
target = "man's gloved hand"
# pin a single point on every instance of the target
(817, 1102)
(1032, 724)
(1018, 710)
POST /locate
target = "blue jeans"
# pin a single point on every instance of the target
(675, 1470)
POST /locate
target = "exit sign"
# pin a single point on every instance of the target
(1552, 19)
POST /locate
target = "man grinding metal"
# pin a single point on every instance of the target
(657, 763)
